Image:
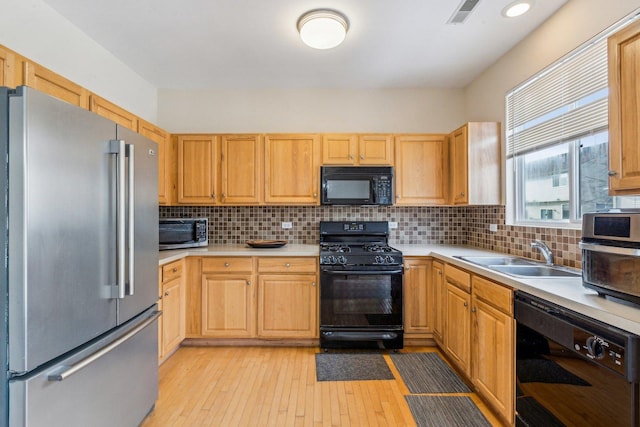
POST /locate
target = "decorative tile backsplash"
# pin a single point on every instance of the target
(468, 225)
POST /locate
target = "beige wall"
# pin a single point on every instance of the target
(311, 110)
(35, 30)
(575, 23)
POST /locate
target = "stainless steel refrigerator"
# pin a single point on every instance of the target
(80, 278)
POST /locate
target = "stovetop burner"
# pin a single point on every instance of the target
(357, 244)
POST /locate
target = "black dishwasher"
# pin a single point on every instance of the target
(572, 370)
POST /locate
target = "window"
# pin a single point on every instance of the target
(557, 141)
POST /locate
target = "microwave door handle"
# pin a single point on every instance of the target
(609, 249)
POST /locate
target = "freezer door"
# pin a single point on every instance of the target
(117, 388)
(61, 248)
(142, 262)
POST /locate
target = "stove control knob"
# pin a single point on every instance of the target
(342, 259)
(595, 347)
(389, 259)
(331, 259)
(378, 260)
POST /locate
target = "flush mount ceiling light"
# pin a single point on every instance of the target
(516, 8)
(323, 28)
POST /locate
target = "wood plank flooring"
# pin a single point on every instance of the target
(274, 386)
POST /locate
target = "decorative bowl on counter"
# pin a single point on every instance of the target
(259, 243)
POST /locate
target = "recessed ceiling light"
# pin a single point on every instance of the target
(323, 28)
(516, 8)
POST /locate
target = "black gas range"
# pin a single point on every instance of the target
(360, 286)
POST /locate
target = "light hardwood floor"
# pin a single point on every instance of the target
(273, 386)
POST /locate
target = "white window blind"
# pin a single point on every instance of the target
(566, 101)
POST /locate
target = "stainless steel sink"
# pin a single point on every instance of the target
(520, 267)
(535, 271)
(486, 261)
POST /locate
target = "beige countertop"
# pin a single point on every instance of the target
(566, 292)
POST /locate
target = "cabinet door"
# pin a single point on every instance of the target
(421, 174)
(437, 272)
(173, 315)
(459, 166)
(161, 138)
(291, 169)
(227, 306)
(339, 149)
(624, 107)
(196, 169)
(47, 81)
(418, 301)
(375, 150)
(113, 112)
(241, 169)
(7, 64)
(493, 357)
(457, 327)
(287, 306)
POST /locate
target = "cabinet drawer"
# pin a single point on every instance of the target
(287, 265)
(171, 271)
(227, 264)
(493, 294)
(457, 277)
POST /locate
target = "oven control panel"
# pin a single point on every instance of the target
(599, 349)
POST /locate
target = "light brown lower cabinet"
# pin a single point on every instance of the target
(418, 299)
(437, 277)
(256, 297)
(171, 326)
(457, 332)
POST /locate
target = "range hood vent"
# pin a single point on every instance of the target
(463, 11)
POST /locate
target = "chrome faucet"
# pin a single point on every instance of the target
(544, 249)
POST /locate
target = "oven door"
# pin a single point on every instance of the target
(361, 308)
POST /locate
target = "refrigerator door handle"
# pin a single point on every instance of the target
(118, 147)
(76, 367)
(131, 207)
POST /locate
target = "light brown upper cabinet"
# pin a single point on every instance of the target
(112, 112)
(475, 164)
(241, 169)
(197, 169)
(38, 77)
(421, 169)
(166, 181)
(7, 64)
(624, 111)
(292, 165)
(353, 149)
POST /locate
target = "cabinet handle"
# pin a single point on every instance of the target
(166, 294)
(248, 282)
(612, 173)
(226, 264)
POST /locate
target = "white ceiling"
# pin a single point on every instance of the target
(219, 44)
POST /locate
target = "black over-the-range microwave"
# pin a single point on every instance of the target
(356, 185)
(178, 233)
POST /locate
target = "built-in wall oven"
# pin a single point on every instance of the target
(360, 287)
(572, 370)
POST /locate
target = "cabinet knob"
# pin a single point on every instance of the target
(213, 196)
(248, 282)
(407, 267)
(175, 270)
(462, 194)
(350, 156)
(439, 273)
(224, 195)
(466, 304)
(226, 264)
(361, 156)
(473, 310)
(313, 284)
(166, 294)
(612, 173)
(315, 195)
(287, 265)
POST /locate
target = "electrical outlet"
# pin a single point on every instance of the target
(493, 228)
(393, 225)
(287, 225)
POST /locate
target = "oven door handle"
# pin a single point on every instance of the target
(361, 272)
(609, 249)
